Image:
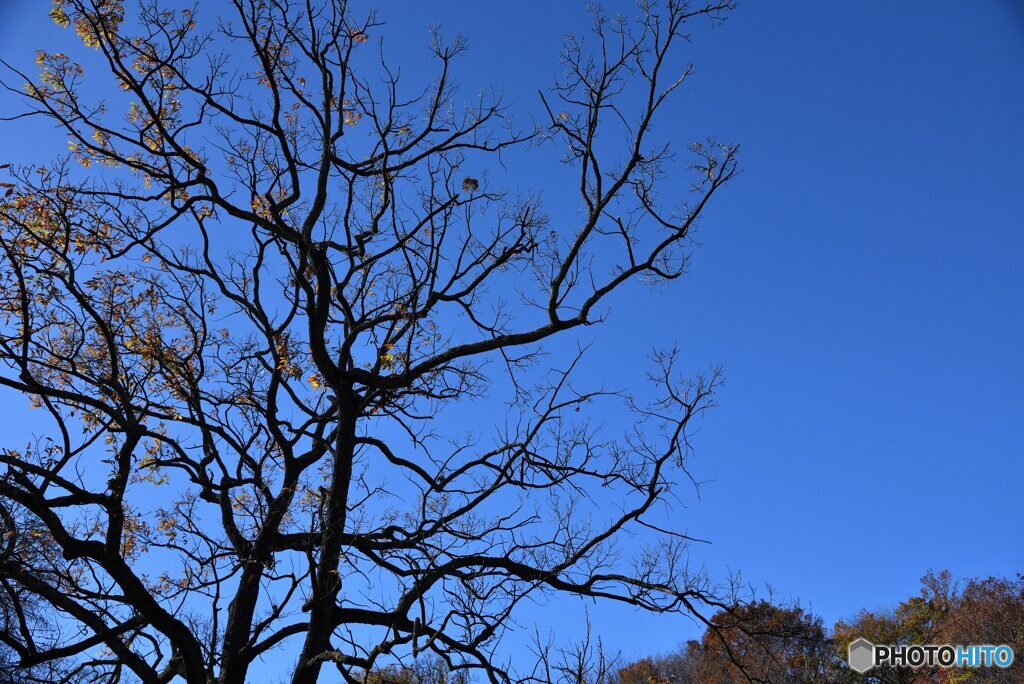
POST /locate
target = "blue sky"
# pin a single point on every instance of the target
(860, 282)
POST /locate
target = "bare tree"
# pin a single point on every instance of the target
(247, 318)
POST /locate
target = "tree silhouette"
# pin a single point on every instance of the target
(245, 318)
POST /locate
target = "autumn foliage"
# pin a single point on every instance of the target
(763, 642)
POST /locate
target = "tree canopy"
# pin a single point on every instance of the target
(247, 295)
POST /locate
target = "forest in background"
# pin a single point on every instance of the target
(769, 642)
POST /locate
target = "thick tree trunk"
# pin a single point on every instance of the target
(328, 583)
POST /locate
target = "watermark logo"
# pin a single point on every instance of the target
(863, 655)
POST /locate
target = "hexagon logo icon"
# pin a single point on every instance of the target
(861, 655)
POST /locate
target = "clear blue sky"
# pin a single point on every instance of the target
(860, 282)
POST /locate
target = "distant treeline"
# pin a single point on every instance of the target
(767, 642)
